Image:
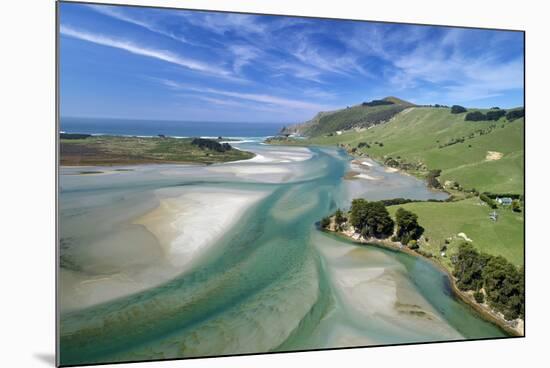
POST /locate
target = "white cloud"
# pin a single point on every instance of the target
(136, 49)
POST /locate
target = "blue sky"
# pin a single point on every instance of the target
(129, 62)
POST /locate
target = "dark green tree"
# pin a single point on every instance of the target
(457, 109)
(339, 219)
(469, 267)
(495, 114)
(479, 297)
(371, 218)
(503, 285)
(515, 114)
(485, 198)
(475, 116)
(358, 215)
(407, 226)
(516, 205)
(379, 224)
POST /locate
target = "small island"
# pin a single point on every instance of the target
(104, 150)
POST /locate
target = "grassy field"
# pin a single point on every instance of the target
(422, 136)
(471, 216)
(111, 150)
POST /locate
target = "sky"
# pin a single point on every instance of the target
(152, 63)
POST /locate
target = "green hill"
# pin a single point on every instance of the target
(485, 155)
(355, 117)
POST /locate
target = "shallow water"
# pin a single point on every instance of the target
(271, 282)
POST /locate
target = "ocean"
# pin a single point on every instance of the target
(166, 127)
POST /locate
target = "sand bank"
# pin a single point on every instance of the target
(281, 155)
(367, 177)
(189, 224)
(373, 289)
(155, 247)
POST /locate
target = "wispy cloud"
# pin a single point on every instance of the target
(243, 55)
(118, 13)
(220, 23)
(136, 49)
(446, 65)
(345, 64)
(256, 97)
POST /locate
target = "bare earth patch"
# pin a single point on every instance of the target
(493, 156)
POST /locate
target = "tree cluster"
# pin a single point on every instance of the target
(74, 135)
(515, 114)
(211, 145)
(377, 103)
(475, 116)
(372, 219)
(502, 282)
(494, 115)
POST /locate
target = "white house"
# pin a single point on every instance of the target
(505, 201)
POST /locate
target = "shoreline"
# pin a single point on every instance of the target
(483, 311)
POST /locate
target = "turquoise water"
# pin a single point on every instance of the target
(271, 283)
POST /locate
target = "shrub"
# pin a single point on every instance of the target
(495, 114)
(475, 116)
(431, 178)
(325, 222)
(479, 297)
(211, 145)
(485, 198)
(515, 114)
(74, 136)
(457, 109)
(339, 217)
(377, 103)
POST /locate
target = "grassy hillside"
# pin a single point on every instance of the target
(471, 216)
(111, 150)
(487, 157)
(359, 116)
